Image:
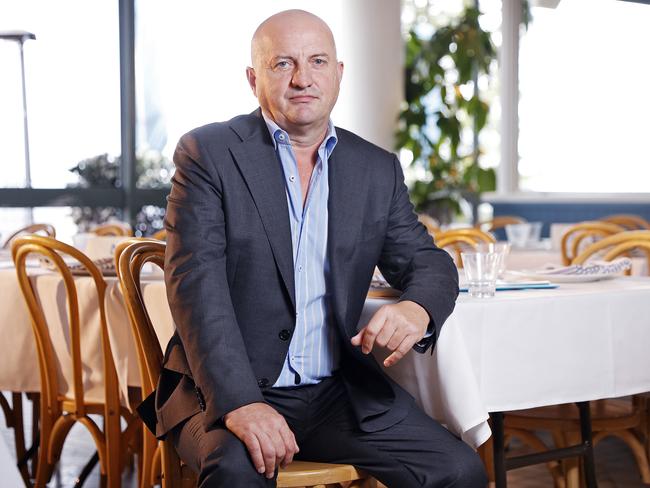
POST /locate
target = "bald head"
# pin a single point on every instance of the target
(289, 21)
(295, 74)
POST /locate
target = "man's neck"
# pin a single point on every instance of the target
(306, 137)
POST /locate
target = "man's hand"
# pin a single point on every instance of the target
(397, 327)
(265, 433)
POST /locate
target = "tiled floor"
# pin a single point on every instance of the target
(615, 465)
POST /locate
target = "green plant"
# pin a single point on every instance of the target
(153, 170)
(444, 112)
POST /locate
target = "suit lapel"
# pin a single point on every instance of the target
(348, 187)
(257, 161)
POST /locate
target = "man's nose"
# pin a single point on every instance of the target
(301, 77)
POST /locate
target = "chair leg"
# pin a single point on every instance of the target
(571, 465)
(113, 436)
(19, 436)
(44, 467)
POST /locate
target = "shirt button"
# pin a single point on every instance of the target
(299, 268)
(292, 178)
(263, 382)
(284, 334)
(281, 137)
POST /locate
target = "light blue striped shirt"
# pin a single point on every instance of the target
(313, 352)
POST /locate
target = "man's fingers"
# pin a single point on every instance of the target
(291, 447)
(268, 453)
(372, 329)
(401, 351)
(255, 451)
(356, 340)
(387, 334)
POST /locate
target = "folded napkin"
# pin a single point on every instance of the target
(590, 268)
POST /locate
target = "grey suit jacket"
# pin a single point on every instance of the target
(229, 270)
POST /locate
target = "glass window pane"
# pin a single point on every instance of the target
(72, 84)
(584, 80)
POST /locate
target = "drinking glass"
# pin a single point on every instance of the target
(481, 272)
(500, 248)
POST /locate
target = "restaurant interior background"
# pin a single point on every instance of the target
(566, 88)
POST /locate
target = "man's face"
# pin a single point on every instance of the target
(296, 76)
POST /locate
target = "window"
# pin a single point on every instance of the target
(584, 102)
(72, 85)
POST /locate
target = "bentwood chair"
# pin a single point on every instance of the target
(500, 222)
(629, 221)
(577, 237)
(458, 240)
(113, 229)
(46, 229)
(624, 418)
(159, 456)
(60, 411)
(160, 235)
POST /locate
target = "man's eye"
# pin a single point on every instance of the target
(319, 61)
(282, 64)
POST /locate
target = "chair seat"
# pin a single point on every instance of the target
(304, 473)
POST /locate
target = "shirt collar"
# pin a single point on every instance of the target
(280, 136)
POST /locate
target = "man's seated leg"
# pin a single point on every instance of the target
(219, 457)
(416, 452)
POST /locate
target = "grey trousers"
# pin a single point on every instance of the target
(416, 452)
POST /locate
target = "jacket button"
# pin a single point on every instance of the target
(284, 334)
(263, 382)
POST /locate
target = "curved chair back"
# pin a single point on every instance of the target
(46, 229)
(130, 257)
(575, 235)
(160, 235)
(457, 240)
(501, 221)
(617, 245)
(55, 424)
(629, 221)
(113, 229)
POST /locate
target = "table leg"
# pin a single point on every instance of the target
(498, 443)
(585, 432)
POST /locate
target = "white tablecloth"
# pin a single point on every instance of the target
(520, 349)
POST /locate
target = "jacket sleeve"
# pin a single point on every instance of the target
(411, 262)
(197, 284)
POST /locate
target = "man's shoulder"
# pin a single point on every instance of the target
(233, 129)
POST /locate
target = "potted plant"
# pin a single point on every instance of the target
(443, 113)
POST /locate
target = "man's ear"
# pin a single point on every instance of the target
(252, 80)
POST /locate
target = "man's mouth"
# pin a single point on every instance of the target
(303, 99)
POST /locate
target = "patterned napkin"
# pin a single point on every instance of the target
(590, 268)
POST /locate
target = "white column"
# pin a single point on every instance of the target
(508, 174)
(373, 77)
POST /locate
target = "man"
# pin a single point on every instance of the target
(275, 223)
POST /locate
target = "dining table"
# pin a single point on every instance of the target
(519, 349)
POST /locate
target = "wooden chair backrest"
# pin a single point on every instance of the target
(115, 229)
(54, 251)
(160, 235)
(618, 244)
(501, 221)
(46, 229)
(575, 235)
(629, 221)
(130, 256)
(460, 239)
